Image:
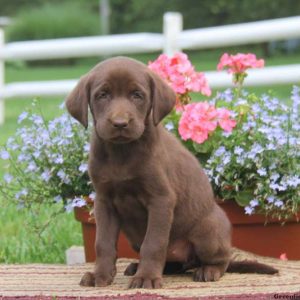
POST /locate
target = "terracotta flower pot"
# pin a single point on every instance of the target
(89, 235)
(252, 234)
(248, 233)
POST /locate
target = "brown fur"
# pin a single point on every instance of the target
(147, 183)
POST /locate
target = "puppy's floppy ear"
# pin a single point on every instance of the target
(163, 97)
(77, 101)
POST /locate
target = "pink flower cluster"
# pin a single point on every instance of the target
(240, 62)
(201, 119)
(180, 74)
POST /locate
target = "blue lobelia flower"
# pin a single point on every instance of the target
(4, 155)
(92, 196)
(63, 176)
(271, 146)
(169, 126)
(62, 105)
(278, 203)
(87, 147)
(46, 175)
(58, 199)
(37, 120)
(293, 181)
(226, 134)
(220, 151)
(8, 178)
(78, 202)
(238, 150)
(227, 95)
(262, 172)
(69, 207)
(254, 202)
(226, 158)
(32, 166)
(271, 199)
(274, 186)
(58, 159)
(83, 168)
(274, 177)
(249, 210)
(22, 117)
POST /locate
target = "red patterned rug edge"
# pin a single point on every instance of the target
(144, 296)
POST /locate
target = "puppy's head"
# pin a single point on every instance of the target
(123, 94)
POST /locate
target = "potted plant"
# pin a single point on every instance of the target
(248, 145)
(84, 214)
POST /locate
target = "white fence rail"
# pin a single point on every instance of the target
(82, 47)
(257, 77)
(239, 34)
(171, 40)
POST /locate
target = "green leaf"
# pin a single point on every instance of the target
(205, 147)
(243, 198)
(243, 109)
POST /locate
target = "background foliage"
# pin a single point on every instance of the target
(137, 15)
(54, 20)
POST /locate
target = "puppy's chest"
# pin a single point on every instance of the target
(125, 186)
(122, 187)
(115, 176)
(129, 198)
(110, 171)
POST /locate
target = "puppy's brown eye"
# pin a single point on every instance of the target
(103, 95)
(137, 95)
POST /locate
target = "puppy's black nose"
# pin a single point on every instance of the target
(120, 123)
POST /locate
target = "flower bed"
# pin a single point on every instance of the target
(248, 144)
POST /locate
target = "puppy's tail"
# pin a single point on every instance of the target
(250, 266)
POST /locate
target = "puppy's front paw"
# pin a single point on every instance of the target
(145, 283)
(207, 273)
(102, 281)
(90, 279)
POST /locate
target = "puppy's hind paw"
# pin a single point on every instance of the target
(88, 279)
(131, 269)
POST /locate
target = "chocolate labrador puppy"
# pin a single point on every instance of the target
(147, 184)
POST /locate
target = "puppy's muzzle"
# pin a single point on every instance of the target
(120, 123)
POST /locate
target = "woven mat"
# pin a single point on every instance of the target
(40, 281)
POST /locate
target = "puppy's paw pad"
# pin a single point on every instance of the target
(131, 269)
(207, 273)
(145, 283)
(88, 279)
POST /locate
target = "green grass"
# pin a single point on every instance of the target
(18, 242)
(21, 244)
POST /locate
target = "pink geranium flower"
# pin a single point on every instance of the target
(225, 121)
(283, 256)
(199, 120)
(180, 74)
(240, 62)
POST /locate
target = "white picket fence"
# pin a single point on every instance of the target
(173, 39)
